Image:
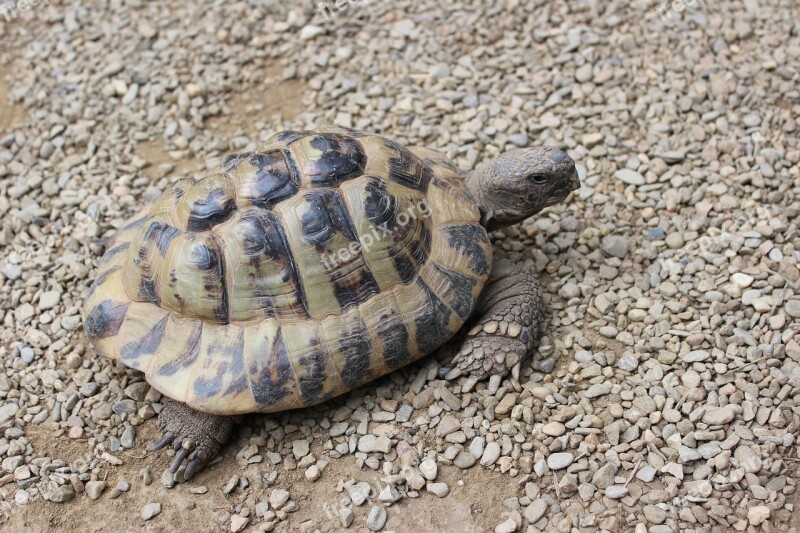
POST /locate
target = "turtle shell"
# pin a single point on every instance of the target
(293, 274)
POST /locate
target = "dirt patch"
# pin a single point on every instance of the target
(474, 502)
(275, 99)
(11, 115)
(155, 154)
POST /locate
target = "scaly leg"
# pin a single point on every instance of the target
(506, 328)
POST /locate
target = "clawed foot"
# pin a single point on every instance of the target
(186, 448)
(196, 437)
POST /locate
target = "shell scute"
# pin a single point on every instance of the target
(269, 367)
(327, 159)
(262, 280)
(265, 179)
(207, 203)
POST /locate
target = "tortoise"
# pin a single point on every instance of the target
(293, 274)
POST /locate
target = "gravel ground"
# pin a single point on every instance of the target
(664, 397)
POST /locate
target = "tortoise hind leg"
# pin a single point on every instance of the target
(506, 328)
(197, 437)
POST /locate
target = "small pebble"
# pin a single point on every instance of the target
(150, 510)
(377, 518)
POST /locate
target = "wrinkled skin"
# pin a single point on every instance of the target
(520, 183)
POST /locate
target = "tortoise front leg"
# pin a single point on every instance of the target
(196, 437)
(506, 330)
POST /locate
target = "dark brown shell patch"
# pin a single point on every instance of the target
(271, 181)
(393, 333)
(208, 259)
(289, 136)
(235, 354)
(459, 293)
(467, 239)
(147, 344)
(380, 206)
(187, 356)
(312, 375)
(105, 319)
(234, 160)
(407, 169)
(214, 208)
(325, 215)
(355, 350)
(341, 158)
(161, 235)
(270, 383)
(431, 321)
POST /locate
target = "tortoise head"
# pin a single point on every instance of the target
(520, 183)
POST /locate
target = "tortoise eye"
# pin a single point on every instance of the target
(539, 179)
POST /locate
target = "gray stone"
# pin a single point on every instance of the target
(261, 508)
(554, 429)
(27, 354)
(63, 494)
(536, 510)
(507, 526)
(597, 390)
(615, 246)
(628, 362)
(447, 425)
(716, 416)
(687, 455)
(696, 356)
(631, 177)
(673, 156)
(439, 489)
(792, 308)
(150, 510)
(560, 460)
(615, 492)
(646, 473)
(359, 492)
(95, 488)
(428, 469)
(413, 477)
(128, 437)
(49, 300)
(654, 514)
(232, 483)
(758, 514)
(490, 454)
(389, 494)
(377, 518)
(300, 448)
(404, 413)
(604, 476)
(22, 497)
(346, 517)
(465, 460)
(476, 447)
(7, 411)
(278, 498)
(747, 459)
